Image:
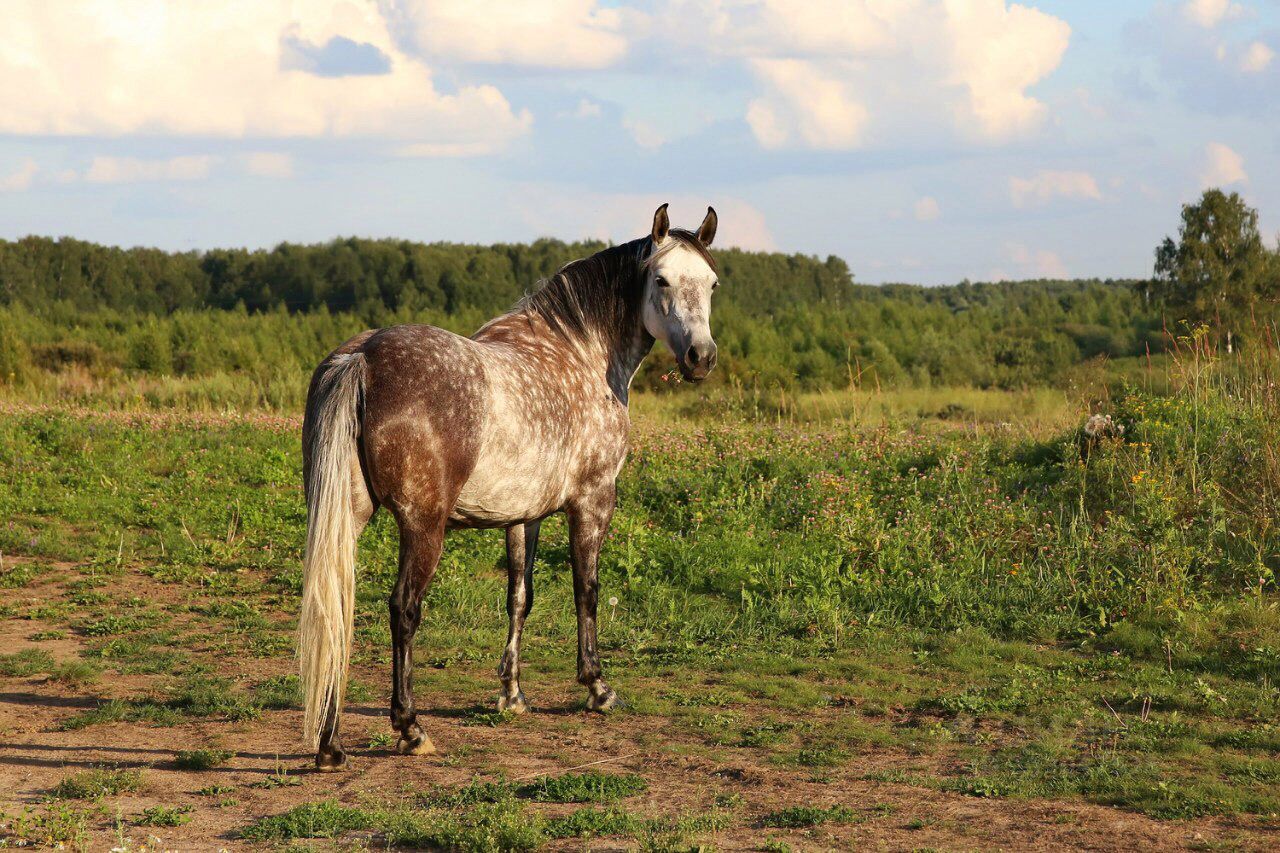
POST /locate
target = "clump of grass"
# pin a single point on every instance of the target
(97, 783)
(590, 787)
(591, 822)
(493, 719)
(475, 791)
(201, 759)
(25, 663)
(799, 817)
(323, 819)
(279, 693)
(59, 826)
(75, 673)
(163, 816)
(195, 696)
(216, 790)
(821, 757)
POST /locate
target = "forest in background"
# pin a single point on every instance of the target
(781, 321)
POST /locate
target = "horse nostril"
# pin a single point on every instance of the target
(691, 357)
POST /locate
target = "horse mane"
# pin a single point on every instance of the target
(602, 292)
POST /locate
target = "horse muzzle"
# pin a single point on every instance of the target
(697, 361)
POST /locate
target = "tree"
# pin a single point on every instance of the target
(1218, 272)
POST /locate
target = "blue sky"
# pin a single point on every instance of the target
(922, 140)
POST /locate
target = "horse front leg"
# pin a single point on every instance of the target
(420, 549)
(522, 544)
(588, 522)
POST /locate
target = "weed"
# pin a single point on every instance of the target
(25, 663)
(97, 783)
(163, 816)
(201, 759)
(799, 817)
(590, 787)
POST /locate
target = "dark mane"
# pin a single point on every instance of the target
(602, 293)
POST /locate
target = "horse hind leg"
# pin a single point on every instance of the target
(522, 544)
(420, 548)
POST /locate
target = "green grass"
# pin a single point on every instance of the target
(163, 816)
(588, 787)
(1003, 618)
(26, 663)
(202, 759)
(800, 817)
(97, 783)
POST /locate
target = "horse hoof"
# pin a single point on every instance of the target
(602, 703)
(419, 745)
(330, 762)
(515, 704)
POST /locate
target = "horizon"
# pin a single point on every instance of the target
(927, 144)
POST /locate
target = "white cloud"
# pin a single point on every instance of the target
(128, 170)
(268, 164)
(1257, 56)
(646, 135)
(20, 179)
(1222, 166)
(1045, 185)
(927, 209)
(804, 106)
(1210, 13)
(117, 67)
(837, 73)
(545, 34)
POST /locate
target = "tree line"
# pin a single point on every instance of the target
(781, 320)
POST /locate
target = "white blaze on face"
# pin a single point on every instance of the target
(677, 305)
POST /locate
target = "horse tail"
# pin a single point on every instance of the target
(329, 561)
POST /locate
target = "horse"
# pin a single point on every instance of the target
(526, 418)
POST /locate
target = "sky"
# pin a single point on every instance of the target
(923, 141)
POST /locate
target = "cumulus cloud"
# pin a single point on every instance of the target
(21, 178)
(1210, 13)
(128, 170)
(927, 209)
(242, 68)
(805, 106)
(546, 34)
(1222, 166)
(646, 135)
(837, 73)
(1047, 184)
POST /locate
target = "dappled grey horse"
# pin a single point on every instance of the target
(526, 418)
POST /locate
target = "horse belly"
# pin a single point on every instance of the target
(510, 492)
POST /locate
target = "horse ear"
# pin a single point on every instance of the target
(661, 225)
(707, 230)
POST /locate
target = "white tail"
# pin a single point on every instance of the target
(329, 562)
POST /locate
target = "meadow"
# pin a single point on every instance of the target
(916, 618)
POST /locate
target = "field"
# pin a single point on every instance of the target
(918, 619)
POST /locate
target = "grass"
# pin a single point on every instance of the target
(163, 816)
(588, 787)
(1002, 616)
(97, 783)
(802, 817)
(202, 759)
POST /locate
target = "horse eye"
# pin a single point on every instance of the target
(661, 282)
(715, 284)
